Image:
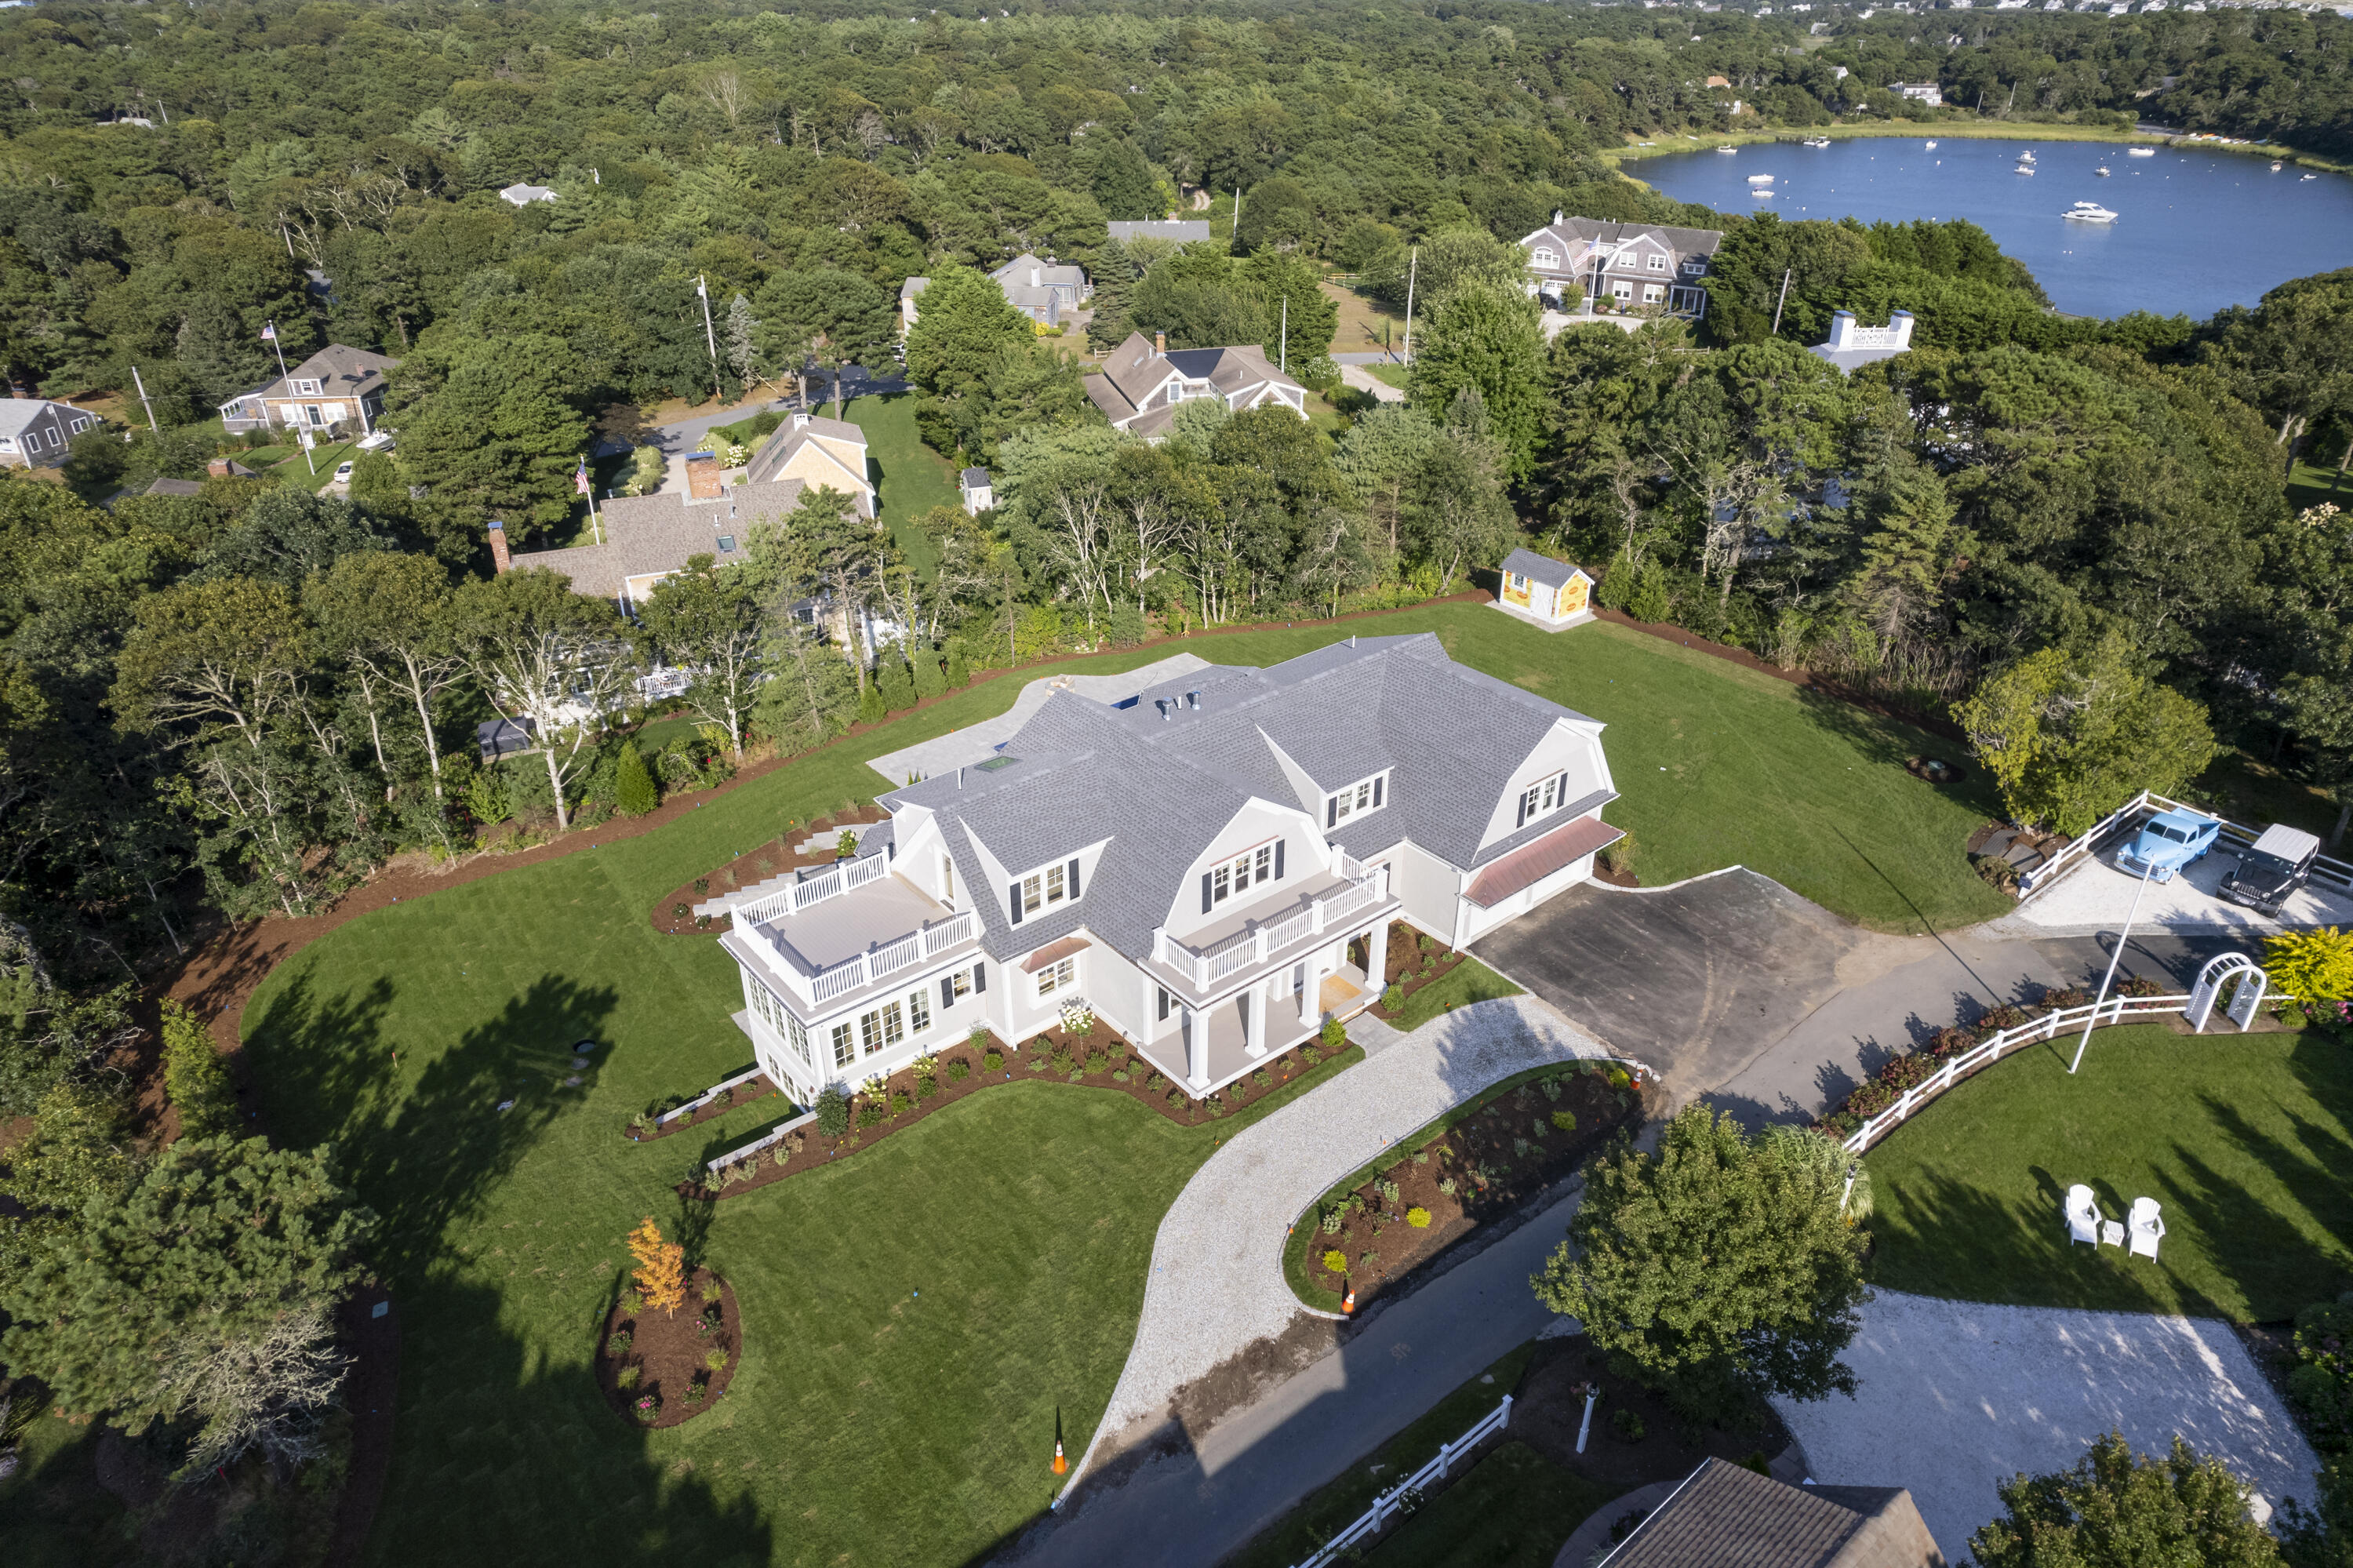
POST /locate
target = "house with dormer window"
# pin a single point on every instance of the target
(1651, 268)
(1143, 382)
(336, 390)
(1213, 865)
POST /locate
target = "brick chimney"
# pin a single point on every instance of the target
(1160, 343)
(500, 560)
(217, 468)
(702, 476)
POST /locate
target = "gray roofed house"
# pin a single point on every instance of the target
(979, 494)
(1650, 267)
(1178, 231)
(1043, 291)
(35, 431)
(908, 293)
(1724, 1513)
(1213, 863)
(336, 386)
(646, 537)
(1141, 382)
(521, 193)
(1553, 594)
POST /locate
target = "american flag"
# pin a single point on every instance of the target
(270, 333)
(580, 477)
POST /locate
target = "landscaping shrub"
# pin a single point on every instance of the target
(695, 1391)
(1078, 1015)
(1870, 1099)
(716, 1360)
(2313, 967)
(2139, 985)
(2064, 996)
(1331, 1222)
(899, 1103)
(1309, 1054)
(1564, 1121)
(1388, 1191)
(1418, 1217)
(1953, 1040)
(1446, 1185)
(2006, 1016)
(1552, 1088)
(2321, 1385)
(1393, 997)
(1618, 1076)
(992, 1060)
(1064, 1058)
(1335, 1034)
(1629, 1426)
(959, 1070)
(926, 1087)
(634, 792)
(832, 1113)
(618, 1345)
(626, 1377)
(1908, 1071)
(195, 1077)
(1335, 1262)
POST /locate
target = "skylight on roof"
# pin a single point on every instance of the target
(993, 763)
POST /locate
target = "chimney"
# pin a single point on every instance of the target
(702, 477)
(1556, 215)
(1842, 328)
(1901, 321)
(800, 422)
(500, 560)
(1160, 343)
(217, 468)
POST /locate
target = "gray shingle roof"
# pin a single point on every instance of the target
(1160, 787)
(1726, 1514)
(658, 533)
(1538, 568)
(17, 414)
(1182, 229)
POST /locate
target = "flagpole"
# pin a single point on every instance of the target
(710, 334)
(272, 334)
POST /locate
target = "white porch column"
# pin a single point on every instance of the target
(1376, 956)
(1254, 1021)
(1147, 1013)
(1197, 1047)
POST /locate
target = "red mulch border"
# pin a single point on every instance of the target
(677, 1345)
(1408, 978)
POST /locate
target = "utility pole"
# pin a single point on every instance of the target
(711, 335)
(1283, 344)
(1238, 214)
(1782, 300)
(1412, 266)
(142, 400)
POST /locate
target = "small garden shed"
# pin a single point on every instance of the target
(1552, 592)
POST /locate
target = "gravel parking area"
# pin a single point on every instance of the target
(1217, 1281)
(2095, 898)
(1958, 1397)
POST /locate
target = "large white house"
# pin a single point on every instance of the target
(1653, 266)
(1213, 865)
(1142, 383)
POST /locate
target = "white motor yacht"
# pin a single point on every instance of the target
(1760, 179)
(2102, 171)
(1824, 142)
(2140, 152)
(2026, 157)
(1932, 146)
(1727, 149)
(2276, 168)
(2023, 168)
(2089, 212)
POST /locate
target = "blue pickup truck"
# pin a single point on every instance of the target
(2166, 843)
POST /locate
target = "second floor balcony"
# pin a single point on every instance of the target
(833, 936)
(1264, 933)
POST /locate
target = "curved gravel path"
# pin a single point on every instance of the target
(1217, 1280)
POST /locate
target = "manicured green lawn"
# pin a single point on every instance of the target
(1293, 1538)
(1512, 1510)
(913, 478)
(869, 1423)
(1467, 983)
(2310, 483)
(295, 470)
(2243, 1139)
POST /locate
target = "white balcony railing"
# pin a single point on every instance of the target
(1260, 941)
(817, 889)
(864, 969)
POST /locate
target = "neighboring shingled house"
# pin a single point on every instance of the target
(1213, 865)
(1725, 1513)
(817, 451)
(1043, 291)
(34, 431)
(1633, 265)
(646, 537)
(1177, 230)
(1142, 383)
(337, 386)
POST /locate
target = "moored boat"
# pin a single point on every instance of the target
(2089, 212)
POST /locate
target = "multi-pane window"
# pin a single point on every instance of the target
(1658, 263)
(1033, 898)
(960, 984)
(845, 1049)
(1049, 886)
(1056, 977)
(1354, 800)
(798, 1033)
(1236, 875)
(882, 1029)
(1544, 256)
(919, 1011)
(1053, 884)
(1550, 795)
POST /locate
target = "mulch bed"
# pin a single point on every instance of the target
(1496, 1158)
(1615, 875)
(672, 914)
(1414, 960)
(743, 1094)
(1093, 1062)
(668, 1351)
(1550, 1401)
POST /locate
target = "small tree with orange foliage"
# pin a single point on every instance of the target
(660, 1268)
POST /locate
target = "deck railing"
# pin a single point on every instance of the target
(1395, 1503)
(1205, 966)
(863, 969)
(2115, 1010)
(2326, 870)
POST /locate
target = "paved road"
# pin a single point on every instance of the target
(685, 434)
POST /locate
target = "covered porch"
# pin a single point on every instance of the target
(1205, 1047)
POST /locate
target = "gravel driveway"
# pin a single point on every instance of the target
(1217, 1281)
(1958, 1397)
(2095, 897)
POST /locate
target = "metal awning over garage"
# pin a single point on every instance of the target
(1533, 863)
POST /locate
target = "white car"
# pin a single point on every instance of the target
(343, 473)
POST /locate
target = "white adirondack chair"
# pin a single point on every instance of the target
(2082, 1215)
(2146, 1228)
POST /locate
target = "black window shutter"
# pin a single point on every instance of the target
(1278, 860)
(1377, 788)
(1205, 893)
(1522, 819)
(1074, 879)
(979, 978)
(1332, 811)
(947, 992)
(1016, 904)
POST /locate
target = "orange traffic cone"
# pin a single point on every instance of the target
(1348, 1302)
(1061, 1466)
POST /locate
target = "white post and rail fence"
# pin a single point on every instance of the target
(2125, 819)
(1405, 1496)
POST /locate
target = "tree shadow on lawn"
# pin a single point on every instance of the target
(426, 1155)
(507, 1453)
(2315, 1171)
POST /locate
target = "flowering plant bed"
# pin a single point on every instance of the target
(1470, 1167)
(1096, 1057)
(646, 1125)
(673, 913)
(1414, 961)
(661, 1369)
